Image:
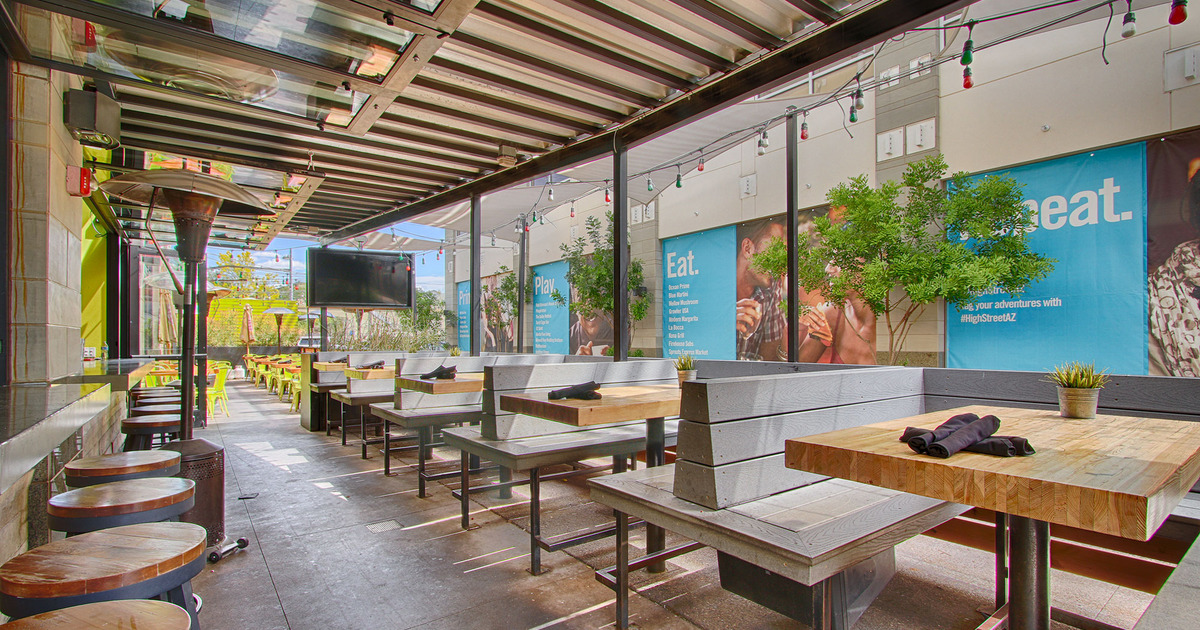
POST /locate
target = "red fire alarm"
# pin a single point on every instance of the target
(79, 181)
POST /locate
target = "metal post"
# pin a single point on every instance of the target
(620, 250)
(476, 317)
(291, 286)
(324, 329)
(656, 537)
(622, 571)
(521, 242)
(188, 395)
(793, 238)
(535, 520)
(1001, 559)
(202, 343)
(1029, 581)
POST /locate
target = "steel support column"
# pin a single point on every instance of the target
(476, 316)
(202, 343)
(521, 265)
(793, 237)
(620, 226)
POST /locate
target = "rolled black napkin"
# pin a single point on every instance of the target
(341, 360)
(966, 436)
(284, 362)
(373, 366)
(1002, 446)
(441, 372)
(920, 439)
(582, 391)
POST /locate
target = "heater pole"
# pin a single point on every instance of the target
(186, 373)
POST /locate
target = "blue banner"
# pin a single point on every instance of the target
(464, 316)
(699, 296)
(1090, 211)
(551, 320)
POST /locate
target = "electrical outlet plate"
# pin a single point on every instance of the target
(1181, 67)
(889, 145)
(922, 136)
(89, 352)
(748, 186)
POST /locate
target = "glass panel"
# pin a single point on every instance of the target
(310, 30)
(151, 59)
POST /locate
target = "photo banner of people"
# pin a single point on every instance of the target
(1173, 233)
(1090, 215)
(464, 316)
(499, 323)
(716, 305)
(551, 320)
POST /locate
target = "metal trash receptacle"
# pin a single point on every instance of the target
(204, 463)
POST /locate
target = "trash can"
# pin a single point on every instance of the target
(204, 463)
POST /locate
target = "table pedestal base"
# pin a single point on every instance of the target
(1029, 574)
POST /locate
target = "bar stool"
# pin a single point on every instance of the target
(149, 560)
(143, 614)
(140, 432)
(163, 409)
(89, 471)
(120, 503)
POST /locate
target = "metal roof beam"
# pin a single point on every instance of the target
(856, 31)
(520, 87)
(819, 10)
(731, 22)
(482, 121)
(663, 39)
(485, 99)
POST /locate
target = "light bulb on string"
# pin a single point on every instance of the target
(804, 127)
(678, 176)
(607, 193)
(517, 227)
(542, 221)
(649, 184)
(853, 113)
(766, 142)
(968, 52)
(572, 209)
(968, 82)
(550, 195)
(700, 166)
(276, 257)
(493, 239)
(762, 143)
(1178, 12)
(859, 101)
(1129, 24)
(535, 216)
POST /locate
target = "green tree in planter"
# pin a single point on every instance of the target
(499, 306)
(590, 274)
(951, 242)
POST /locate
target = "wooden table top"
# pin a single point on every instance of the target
(102, 560)
(359, 373)
(1110, 474)
(124, 614)
(121, 497)
(461, 384)
(153, 421)
(328, 366)
(156, 410)
(294, 369)
(617, 404)
(122, 463)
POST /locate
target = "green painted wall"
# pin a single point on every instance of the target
(94, 284)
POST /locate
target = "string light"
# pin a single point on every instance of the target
(968, 52)
(762, 143)
(700, 166)
(968, 82)
(859, 101)
(551, 194)
(1178, 12)
(535, 216)
(1129, 24)
(493, 239)
(649, 184)
(607, 193)
(853, 112)
(678, 176)
(804, 127)
(542, 221)
(572, 209)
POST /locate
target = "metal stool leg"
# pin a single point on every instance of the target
(535, 521)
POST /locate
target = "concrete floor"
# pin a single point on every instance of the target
(335, 544)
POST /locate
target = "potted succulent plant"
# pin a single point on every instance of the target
(1079, 388)
(686, 365)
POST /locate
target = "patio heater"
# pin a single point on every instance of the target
(194, 200)
(278, 312)
(308, 318)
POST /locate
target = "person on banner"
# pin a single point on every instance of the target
(591, 335)
(1175, 297)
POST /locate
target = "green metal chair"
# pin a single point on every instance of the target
(217, 394)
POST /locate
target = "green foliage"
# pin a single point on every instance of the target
(637, 352)
(590, 274)
(236, 272)
(1077, 375)
(685, 362)
(952, 242)
(500, 303)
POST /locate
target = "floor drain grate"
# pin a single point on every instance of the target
(382, 526)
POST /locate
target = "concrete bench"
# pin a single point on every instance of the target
(534, 453)
(816, 549)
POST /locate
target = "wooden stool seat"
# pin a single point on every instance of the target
(120, 503)
(140, 431)
(154, 410)
(143, 614)
(158, 399)
(88, 471)
(130, 562)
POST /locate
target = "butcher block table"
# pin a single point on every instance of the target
(653, 403)
(460, 384)
(1115, 475)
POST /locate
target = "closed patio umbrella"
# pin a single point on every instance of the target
(247, 335)
(168, 330)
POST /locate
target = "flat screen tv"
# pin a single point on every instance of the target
(354, 279)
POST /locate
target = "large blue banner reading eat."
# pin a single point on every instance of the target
(699, 298)
(551, 320)
(464, 316)
(1090, 211)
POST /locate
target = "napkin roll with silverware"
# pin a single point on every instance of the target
(373, 366)
(966, 432)
(582, 391)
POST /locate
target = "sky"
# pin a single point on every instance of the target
(430, 270)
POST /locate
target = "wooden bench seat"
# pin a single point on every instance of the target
(361, 402)
(120, 503)
(424, 422)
